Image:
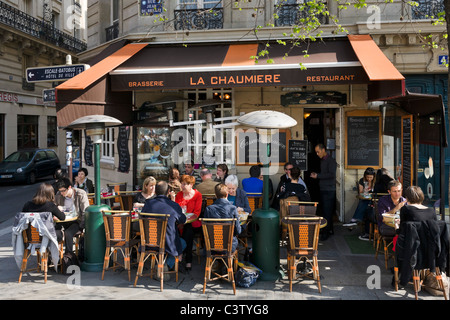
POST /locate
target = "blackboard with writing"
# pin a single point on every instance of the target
(252, 146)
(406, 151)
(88, 149)
(363, 141)
(298, 154)
(122, 149)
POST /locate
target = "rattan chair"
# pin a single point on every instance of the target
(126, 199)
(425, 257)
(218, 235)
(303, 248)
(31, 237)
(255, 201)
(117, 225)
(387, 240)
(153, 228)
(116, 203)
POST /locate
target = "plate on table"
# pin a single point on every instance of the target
(243, 215)
(190, 216)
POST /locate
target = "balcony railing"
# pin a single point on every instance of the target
(23, 22)
(112, 32)
(290, 14)
(195, 19)
(427, 9)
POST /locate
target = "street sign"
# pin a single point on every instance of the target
(55, 73)
(48, 95)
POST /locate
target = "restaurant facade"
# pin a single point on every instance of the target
(346, 93)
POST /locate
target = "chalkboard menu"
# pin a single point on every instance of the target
(250, 145)
(363, 139)
(122, 149)
(298, 154)
(88, 149)
(407, 139)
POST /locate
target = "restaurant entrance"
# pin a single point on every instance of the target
(319, 126)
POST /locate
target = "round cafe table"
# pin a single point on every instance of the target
(68, 219)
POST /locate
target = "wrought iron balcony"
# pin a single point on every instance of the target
(290, 14)
(427, 9)
(112, 32)
(195, 19)
(25, 23)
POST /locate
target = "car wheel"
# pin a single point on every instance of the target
(31, 178)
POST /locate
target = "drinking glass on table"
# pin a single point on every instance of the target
(184, 209)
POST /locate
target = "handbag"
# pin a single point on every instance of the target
(247, 274)
(431, 285)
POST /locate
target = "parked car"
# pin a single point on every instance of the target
(28, 164)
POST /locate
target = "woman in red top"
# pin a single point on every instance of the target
(190, 200)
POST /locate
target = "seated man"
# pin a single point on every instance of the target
(222, 208)
(190, 171)
(74, 201)
(175, 245)
(208, 184)
(391, 204)
(253, 184)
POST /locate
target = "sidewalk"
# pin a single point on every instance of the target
(343, 277)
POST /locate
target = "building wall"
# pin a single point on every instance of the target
(389, 24)
(21, 48)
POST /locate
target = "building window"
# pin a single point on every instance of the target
(108, 145)
(27, 132)
(52, 130)
(296, 12)
(211, 147)
(27, 62)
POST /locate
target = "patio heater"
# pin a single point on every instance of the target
(94, 239)
(266, 221)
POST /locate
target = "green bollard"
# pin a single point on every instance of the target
(266, 243)
(94, 239)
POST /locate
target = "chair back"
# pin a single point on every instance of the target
(303, 234)
(207, 200)
(117, 227)
(153, 228)
(31, 234)
(117, 187)
(218, 234)
(126, 200)
(254, 200)
(302, 208)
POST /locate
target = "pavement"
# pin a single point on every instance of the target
(344, 276)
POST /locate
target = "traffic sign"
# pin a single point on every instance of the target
(55, 73)
(48, 95)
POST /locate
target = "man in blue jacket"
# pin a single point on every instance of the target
(223, 209)
(175, 245)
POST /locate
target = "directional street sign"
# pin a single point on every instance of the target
(55, 73)
(48, 95)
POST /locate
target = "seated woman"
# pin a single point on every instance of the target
(221, 173)
(414, 210)
(294, 187)
(148, 192)
(190, 200)
(237, 196)
(82, 182)
(365, 185)
(44, 201)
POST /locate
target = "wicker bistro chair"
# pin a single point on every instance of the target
(255, 201)
(118, 238)
(218, 235)
(303, 247)
(153, 240)
(116, 203)
(31, 237)
(291, 206)
(421, 265)
(387, 240)
(126, 199)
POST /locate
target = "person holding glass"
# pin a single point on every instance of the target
(148, 192)
(190, 201)
(365, 187)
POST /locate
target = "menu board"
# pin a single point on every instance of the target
(122, 149)
(363, 139)
(250, 145)
(298, 154)
(88, 149)
(407, 139)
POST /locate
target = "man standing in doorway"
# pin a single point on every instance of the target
(327, 185)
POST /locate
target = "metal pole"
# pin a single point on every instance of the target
(97, 172)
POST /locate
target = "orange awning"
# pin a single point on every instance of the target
(377, 66)
(100, 69)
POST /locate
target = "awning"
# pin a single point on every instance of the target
(328, 62)
(424, 106)
(89, 93)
